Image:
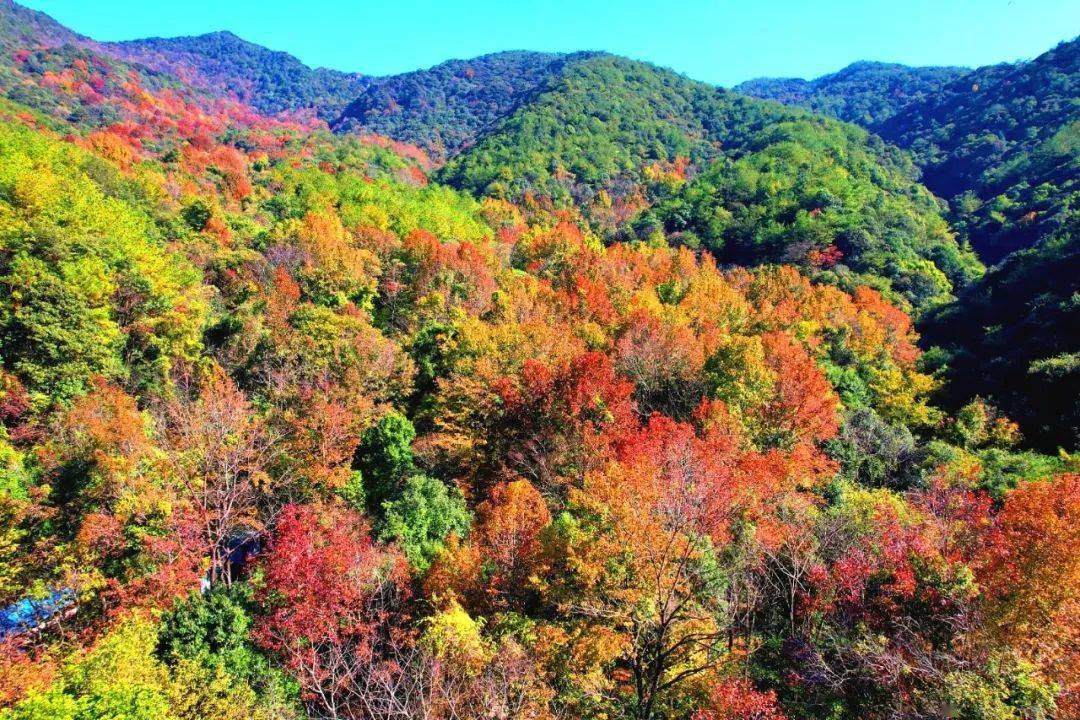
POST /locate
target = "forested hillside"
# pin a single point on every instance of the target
(865, 93)
(1014, 337)
(445, 108)
(648, 154)
(1002, 145)
(999, 143)
(23, 28)
(269, 81)
(619, 413)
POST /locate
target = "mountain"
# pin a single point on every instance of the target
(268, 80)
(967, 132)
(623, 141)
(23, 28)
(631, 423)
(1002, 143)
(865, 93)
(443, 109)
(1014, 337)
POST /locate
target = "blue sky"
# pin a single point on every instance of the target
(719, 41)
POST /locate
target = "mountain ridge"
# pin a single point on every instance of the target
(863, 92)
(616, 410)
(272, 81)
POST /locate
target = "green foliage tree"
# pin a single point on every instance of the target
(385, 458)
(863, 92)
(422, 516)
(90, 287)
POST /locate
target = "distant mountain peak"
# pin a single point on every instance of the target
(444, 108)
(222, 62)
(865, 92)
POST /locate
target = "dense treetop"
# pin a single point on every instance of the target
(268, 80)
(445, 108)
(866, 93)
(630, 421)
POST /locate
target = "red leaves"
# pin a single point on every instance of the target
(331, 597)
(561, 421)
(321, 573)
(460, 270)
(220, 450)
(1034, 539)
(803, 408)
(692, 479)
(23, 670)
(895, 322)
(737, 699)
(505, 541)
(826, 257)
(1029, 573)
(510, 521)
(665, 361)
(15, 407)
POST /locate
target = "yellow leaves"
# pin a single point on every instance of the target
(198, 692)
(453, 635)
(739, 373)
(36, 190)
(500, 213)
(121, 663)
(332, 263)
(12, 512)
(711, 301)
(121, 677)
(582, 652)
(861, 507)
(900, 396)
(113, 147)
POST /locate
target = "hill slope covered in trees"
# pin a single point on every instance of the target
(1002, 145)
(292, 429)
(267, 80)
(1013, 336)
(624, 140)
(999, 142)
(443, 109)
(865, 93)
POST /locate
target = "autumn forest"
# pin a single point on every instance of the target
(534, 386)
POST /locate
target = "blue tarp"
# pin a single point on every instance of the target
(28, 613)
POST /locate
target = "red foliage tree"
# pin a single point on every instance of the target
(331, 597)
(803, 408)
(558, 422)
(1029, 571)
(739, 700)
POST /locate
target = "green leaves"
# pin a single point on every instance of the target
(89, 283)
(421, 518)
(385, 458)
(809, 185)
